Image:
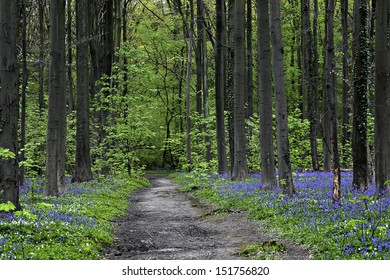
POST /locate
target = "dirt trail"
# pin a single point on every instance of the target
(163, 223)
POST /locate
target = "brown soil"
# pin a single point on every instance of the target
(164, 223)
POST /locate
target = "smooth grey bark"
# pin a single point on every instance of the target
(267, 155)
(240, 166)
(188, 87)
(327, 149)
(9, 100)
(382, 96)
(346, 106)
(24, 87)
(82, 170)
(70, 55)
(330, 92)
(220, 77)
(308, 81)
(41, 4)
(284, 162)
(56, 125)
(249, 53)
(198, 57)
(229, 95)
(205, 85)
(360, 95)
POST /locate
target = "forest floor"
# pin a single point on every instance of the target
(165, 223)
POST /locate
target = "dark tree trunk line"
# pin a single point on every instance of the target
(24, 87)
(360, 102)
(382, 97)
(240, 167)
(265, 95)
(83, 170)
(9, 100)
(330, 92)
(220, 77)
(346, 107)
(308, 81)
(284, 162)
(56, 126)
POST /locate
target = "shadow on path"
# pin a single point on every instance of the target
(163, 223)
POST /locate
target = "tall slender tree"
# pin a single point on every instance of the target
(69, 28)
(308, 80)
(249, 76)
(9, 100)
(229, 96)
(240, 167)
(345, 119)
(265, 95)
(284, 161)
(220, 77)
(24, 89)
(360, 96)
(330, 92)
(382, 96)
(83, 170)
(56, 124)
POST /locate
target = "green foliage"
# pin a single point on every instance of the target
(299, 134)
(6, 154)
(263, 250)
(9, 206)
(75, 225)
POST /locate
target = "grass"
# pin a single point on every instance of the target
(75, 225)
(356, 228)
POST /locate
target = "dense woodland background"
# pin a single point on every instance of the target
(117, 86)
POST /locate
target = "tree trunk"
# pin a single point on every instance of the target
(265, 95)
(284, 163)
(206, 110)
(188, 89)
(360, 102)
(346, 137)
(308, 81)
(220, 84)
(24, 87)
(327, 149)
(83, 170)
(56, 126)
(240, 167)
(198, 57)
(229, 100)
(70, 56)
(9, 100)
(382, 96)
(41, 57)
(249, 90)
(330, 92)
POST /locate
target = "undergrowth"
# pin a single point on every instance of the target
(356, 228)
(75, 225)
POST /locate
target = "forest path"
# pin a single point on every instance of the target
(164, 223)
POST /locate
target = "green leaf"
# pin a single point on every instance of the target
(6, 154)
(26, 214)
(9, 206)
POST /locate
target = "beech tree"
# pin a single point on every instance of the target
(360, 96)
(9, 102)
(308, 80)
(330, 93)
(283, 145)
(265, 95)
(382, 96)
(240, 167)
(56, 124)
(220, 77)
(83, 170)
